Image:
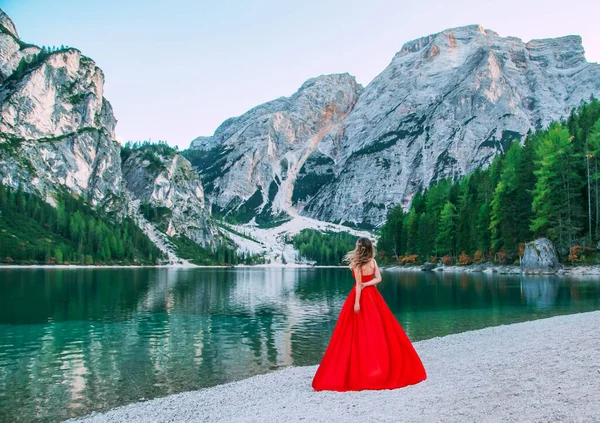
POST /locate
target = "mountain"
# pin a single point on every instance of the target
(445, 106)
(332, 153)
(57, 135)
(169, 192)
(252, 166)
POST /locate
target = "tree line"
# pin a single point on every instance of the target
(548, 186)
(221, 253)
(33, 231)
(324, 248)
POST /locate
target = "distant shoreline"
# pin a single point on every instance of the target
(577, 270)
(165, 266)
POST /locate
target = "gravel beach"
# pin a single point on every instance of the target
(546, 370)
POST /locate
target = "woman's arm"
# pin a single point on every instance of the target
(359, 285)
(377, 277)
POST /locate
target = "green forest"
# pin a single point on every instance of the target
(325, 249)
(151, 151)
(547, 187)
(221, 254)
(34, 232)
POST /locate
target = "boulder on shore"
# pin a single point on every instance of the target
(540, 256)
(427, 266)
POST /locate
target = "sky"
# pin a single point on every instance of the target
(177, 69)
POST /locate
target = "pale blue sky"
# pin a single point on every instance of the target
(176, 69)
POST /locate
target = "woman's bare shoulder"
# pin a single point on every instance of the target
(373, 265)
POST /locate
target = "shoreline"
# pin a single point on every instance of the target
(165, 266)
(578, 270)
(509, 269)
(540, 370)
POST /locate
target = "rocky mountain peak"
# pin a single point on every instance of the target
(57, 133)
(12, 49)
(561, 53)
(450, 38)
(445, 106)
(56, 127)
(169, 191)
(69, 89)
(324, 83)
(325, 89)
(7, 23)
(251, 163)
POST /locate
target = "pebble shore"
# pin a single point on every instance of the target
(545, 370)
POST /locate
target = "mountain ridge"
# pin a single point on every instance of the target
(57, 134)
(445, 105)
(332, 153)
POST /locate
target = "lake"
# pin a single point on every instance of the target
(73, 341)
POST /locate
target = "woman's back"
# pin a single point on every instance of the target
(367, 271)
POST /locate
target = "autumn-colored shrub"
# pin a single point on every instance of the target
(447, 260)
(433, 259)
(408, 259)
(521, 249)
(464, 259)
(478, 257)
(8, 260)
(575, 253)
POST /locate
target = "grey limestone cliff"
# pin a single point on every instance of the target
(57, 134)
(445, 106)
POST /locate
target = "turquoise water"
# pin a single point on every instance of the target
(75, 341)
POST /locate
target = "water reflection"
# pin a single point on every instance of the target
(541, 293)
(73, 341)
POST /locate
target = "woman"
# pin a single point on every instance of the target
(368, 348)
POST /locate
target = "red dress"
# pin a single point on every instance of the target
(368, 349)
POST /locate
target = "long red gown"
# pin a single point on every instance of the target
(368, 349)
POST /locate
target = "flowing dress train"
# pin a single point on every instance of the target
(368, 349)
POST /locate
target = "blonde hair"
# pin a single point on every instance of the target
(361, 255)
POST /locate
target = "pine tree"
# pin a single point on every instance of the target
(392, 239)
(58, 255)
(446, 239)
(594, 154)
(466, 199)
(483, 241)
(426, 236)
(556, 197)
(511, 214)
(412, 228)
(497, 218)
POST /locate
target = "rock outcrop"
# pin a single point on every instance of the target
(12, 49)
(254, 163)
(428, 267)
(540, 256)
(170, 192)
(57, 130)
(445, 106)
(57, 134)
